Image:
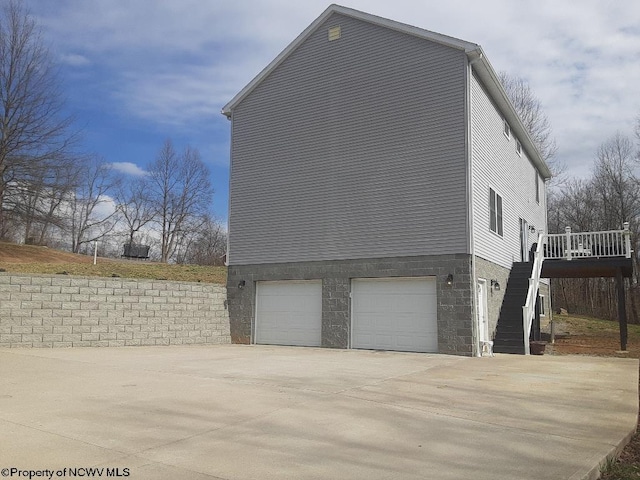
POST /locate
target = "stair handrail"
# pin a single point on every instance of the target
(529, 308)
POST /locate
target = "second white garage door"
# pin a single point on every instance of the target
(289, 313)
(395, 314)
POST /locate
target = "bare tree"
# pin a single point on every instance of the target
(190, 231)
(603, 202)
(618, 185)
(179, 190)
(90, 216)
(207, 245)
(135, 209)
(616, 182)
(529, 109)
(576, 206)
(51, 213)
(36, 201)
(33, 130)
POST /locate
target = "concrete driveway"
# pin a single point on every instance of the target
(253, 412)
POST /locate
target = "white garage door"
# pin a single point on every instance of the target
(395, 314)
(289, 313)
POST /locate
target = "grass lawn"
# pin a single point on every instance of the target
(105, 268)
(34, 259)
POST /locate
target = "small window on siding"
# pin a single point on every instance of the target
(495, 212)
(507, 129)
(542, 310)
(519, 147)
(537, 187)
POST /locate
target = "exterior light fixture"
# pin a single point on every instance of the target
(241, 284)
(450, 279)
(495, 285)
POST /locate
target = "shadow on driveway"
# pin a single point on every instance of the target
(258, 412)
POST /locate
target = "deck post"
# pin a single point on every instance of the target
(622, 310)
(567, 231)
(627, 239)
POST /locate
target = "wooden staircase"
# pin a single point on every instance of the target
(560, 255)
(509, 336)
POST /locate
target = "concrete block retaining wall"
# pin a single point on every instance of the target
(61, 311)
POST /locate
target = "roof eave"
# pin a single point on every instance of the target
(488, 75)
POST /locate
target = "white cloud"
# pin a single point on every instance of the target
(128, 168)
(104, 208)
(176, 63)
(74, 60)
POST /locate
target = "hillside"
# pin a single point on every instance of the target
(34, 259)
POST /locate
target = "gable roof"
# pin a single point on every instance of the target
(476, 56)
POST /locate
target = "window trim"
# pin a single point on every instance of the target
(506, 129)
(496, 212)
(518, 147)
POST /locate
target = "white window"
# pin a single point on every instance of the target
(542, 310)
(537, 187)
(507, 129)
(495, 212)
(519, 147)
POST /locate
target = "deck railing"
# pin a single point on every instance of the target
(567, 246)
(529, 307)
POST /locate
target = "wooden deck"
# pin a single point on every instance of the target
(584, 267)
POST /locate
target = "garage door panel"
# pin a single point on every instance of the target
(407, 342)
(384, 342)
(395, 314)
(289, 313)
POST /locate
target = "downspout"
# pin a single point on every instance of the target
(469, 147)
(230, 118)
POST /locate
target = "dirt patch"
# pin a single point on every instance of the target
(589, 336)
(590, 345)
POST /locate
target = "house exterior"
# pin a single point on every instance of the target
(382, 187)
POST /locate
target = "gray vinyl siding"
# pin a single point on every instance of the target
(497, 165)
(351, 149)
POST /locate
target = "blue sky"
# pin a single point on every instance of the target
(137, 72)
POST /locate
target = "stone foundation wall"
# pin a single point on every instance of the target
(61, 311)
(455, 315)
(491, 271)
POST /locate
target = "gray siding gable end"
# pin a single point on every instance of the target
(401, 27)
(352, 149)
(474, 52)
